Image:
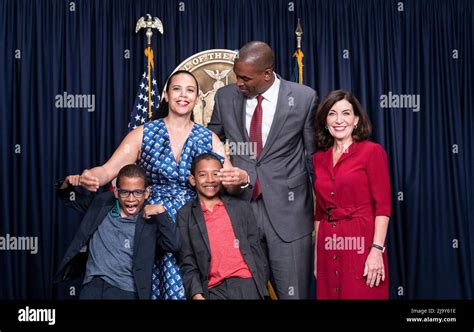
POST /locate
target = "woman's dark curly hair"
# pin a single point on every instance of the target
(324, 140)
(163, 109)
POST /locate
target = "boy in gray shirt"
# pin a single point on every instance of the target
(123, 237)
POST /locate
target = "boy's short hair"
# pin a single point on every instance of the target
(204, 156)
(132, 171)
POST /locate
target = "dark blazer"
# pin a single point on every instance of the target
(195, 254)
(284, 165)
(152, 237)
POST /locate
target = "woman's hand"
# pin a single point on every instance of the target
(374, 269)
(89, 180)
(152, 210)
(198, 297)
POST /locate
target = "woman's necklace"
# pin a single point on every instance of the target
(178, 138)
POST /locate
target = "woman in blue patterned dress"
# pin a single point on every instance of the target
(165, 148)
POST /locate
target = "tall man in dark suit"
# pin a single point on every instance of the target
(121, 239)
(275, 118)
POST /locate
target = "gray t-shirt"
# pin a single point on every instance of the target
(111, 252)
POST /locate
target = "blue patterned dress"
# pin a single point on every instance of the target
(171, 188)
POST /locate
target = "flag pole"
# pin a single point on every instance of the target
(299, 53)
(149, 24)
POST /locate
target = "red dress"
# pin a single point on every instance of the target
(355, 191)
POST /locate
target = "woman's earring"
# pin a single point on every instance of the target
(326, 126)
(355, 126)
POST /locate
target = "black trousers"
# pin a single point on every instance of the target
(98, 289)
(235, 289)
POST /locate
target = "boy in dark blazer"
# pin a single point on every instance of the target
(122, 237)
(221, 257)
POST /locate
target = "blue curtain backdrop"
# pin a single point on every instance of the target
(371, 47)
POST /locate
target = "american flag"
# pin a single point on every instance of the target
(139, 114)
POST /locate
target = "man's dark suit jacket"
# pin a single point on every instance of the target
(152, 237)
(195, 254)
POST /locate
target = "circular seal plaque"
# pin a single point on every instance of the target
(213, 70)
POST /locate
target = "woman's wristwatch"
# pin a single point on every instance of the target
(376, 246)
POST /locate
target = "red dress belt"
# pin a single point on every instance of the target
(338, 213)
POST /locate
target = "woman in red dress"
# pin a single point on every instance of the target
(353, 203)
